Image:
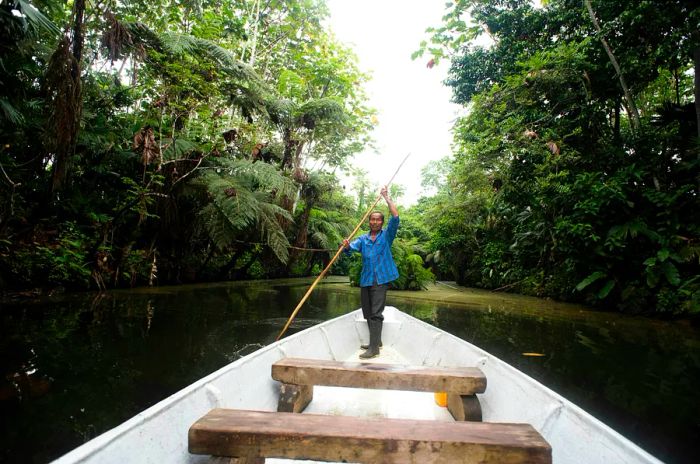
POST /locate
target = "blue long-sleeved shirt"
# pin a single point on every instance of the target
(378, 265)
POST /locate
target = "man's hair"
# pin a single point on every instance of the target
(377, 212)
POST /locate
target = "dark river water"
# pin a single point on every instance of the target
(74, 366)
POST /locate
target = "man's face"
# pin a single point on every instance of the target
(375, 222)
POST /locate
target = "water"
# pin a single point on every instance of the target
(75, 366)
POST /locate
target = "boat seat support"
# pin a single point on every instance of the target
(294, 398)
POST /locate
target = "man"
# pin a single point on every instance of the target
(378, 270)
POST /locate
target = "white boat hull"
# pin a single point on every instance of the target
(159, 434)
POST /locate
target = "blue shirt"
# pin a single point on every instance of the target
(378, 265)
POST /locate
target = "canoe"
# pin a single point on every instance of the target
(160, 433)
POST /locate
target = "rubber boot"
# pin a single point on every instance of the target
(375, 334)
(366, 346)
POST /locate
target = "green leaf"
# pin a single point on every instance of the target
(609, 285)
(671, 272)
(652, 278)
(590, 279)
(663, 254)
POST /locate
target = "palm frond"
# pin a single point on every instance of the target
(241, 210)
(327, 230)
(35, 18)
(321, 240)
(143, 35)
(10, 113)
(249, 99)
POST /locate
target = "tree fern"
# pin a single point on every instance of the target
(266, 175)
(241, 205)
(217, 226)
(272, 231)
(178, 148)
(327, 230)
(319, 111)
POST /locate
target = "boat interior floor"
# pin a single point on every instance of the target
(360, 402)
(397, 404)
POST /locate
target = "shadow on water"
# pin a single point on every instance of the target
(75, 366)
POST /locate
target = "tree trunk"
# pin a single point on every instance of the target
(292, 149)
(243, 271)
(254, 46)
(68, 101)
(631, 106)
(212, 249)
(223, 273)
(78, 39)
(302, 233)
(696, 60)
(616, 129)
(312, 260)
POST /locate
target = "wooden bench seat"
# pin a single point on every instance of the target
(298, 377)
(251, 436)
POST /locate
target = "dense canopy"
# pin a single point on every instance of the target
(160, 142)
(575, 173)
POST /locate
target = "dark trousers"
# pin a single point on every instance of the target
(373, 301)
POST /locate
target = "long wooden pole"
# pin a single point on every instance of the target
(337, 253)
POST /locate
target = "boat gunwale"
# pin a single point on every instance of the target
(485, 361)
(79, 453)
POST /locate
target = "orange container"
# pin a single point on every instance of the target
(441, 399)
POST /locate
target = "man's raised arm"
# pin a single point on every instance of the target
(392, 207)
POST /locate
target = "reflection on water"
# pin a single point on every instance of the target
(73, 367)
(641, 378)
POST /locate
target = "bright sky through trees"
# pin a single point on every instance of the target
(414, 110)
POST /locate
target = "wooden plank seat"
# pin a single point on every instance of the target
(250, 436)
(298, 377)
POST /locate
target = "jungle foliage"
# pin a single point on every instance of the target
(575, 172)
(160, 142)
(145, 143)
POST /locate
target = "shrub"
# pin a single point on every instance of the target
(412, 273)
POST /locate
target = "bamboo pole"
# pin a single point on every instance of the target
(337, 253)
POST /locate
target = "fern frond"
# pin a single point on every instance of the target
(319, 111)
(273, 234)
(178, 148)
(320, 239)
(281, 111)
(264, 176)
(217, 226)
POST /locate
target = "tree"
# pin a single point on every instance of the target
(554, 191)
(189, 135)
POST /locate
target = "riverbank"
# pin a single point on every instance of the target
(446, 293)
(450, 295)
